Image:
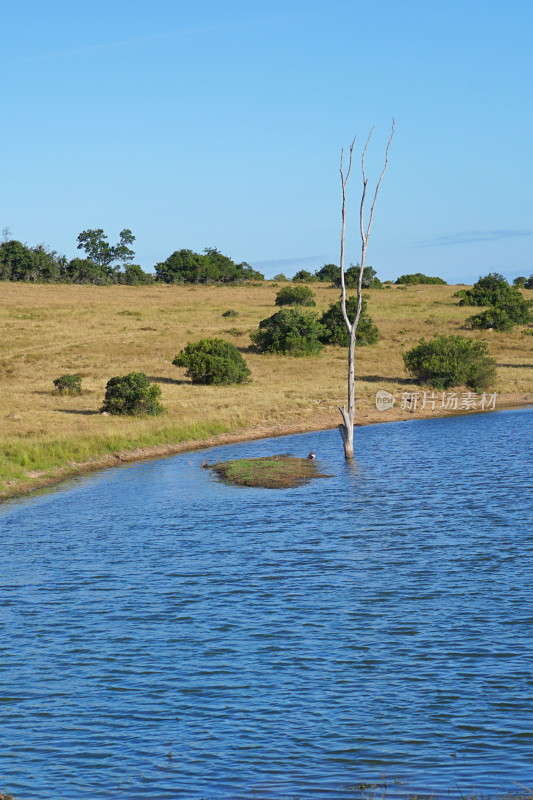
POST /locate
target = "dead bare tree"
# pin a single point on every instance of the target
(348, 415)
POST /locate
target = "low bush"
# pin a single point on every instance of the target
(504, 316)
(132, 394)
(492, 290)
(446, 361)
(496, 318)
(280, 277)
(230, 313)
(295, 296)
(417, 278)
(335, 327)
(213, 361)
(351, 278)
(134, 275)
(68, 384)
(304, 276)
(524, 283)
(290, 332)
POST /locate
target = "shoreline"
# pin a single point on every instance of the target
(317, 422)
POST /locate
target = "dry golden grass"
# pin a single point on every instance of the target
(99, 332)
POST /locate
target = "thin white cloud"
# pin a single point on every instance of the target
(143, 40)
(469, 237)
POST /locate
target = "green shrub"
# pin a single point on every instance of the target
(68, 384)
(496, 318)
(289, 331)
(520, 282)
(134, 275)
(328, 273)
(213, 361)
(230, 313)
(280, 277)
(132, 394)
(351, 278)
(211, 266)
(295, 296)
(504, 316)
(304, 276)
(417, 278)
(446, 361)
(335, 327)
(492, 290)
(529, 283)
(83, 270)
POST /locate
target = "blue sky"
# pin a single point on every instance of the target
(220, 123)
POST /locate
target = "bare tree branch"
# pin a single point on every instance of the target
(344, 181)
(348, 415)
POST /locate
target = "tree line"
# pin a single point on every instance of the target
(105, 264)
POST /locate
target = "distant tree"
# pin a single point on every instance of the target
(520, 282)
(295, 296)
(183, 266)
(100, 252)
(529, 283)
(47, 265)
(21, 263)
(351, 278)
(304, 276)
(186, 266)
(329, 273)
(15, 260)
(418, 278)
(134, 275)
(280, 277)
(489, 291)
(83, 270)
(248, 273)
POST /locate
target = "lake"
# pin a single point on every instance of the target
(164, 635)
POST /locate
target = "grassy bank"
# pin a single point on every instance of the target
(99, 332)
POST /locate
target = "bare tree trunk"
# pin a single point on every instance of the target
(348, 415)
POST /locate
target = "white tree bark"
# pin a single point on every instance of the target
(348, 414)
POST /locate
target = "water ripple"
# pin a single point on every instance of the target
(164, 635)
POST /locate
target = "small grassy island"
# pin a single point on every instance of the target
(270, 472)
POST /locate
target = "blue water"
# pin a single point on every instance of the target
(163, 635)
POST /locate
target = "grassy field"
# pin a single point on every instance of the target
(103, 331)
